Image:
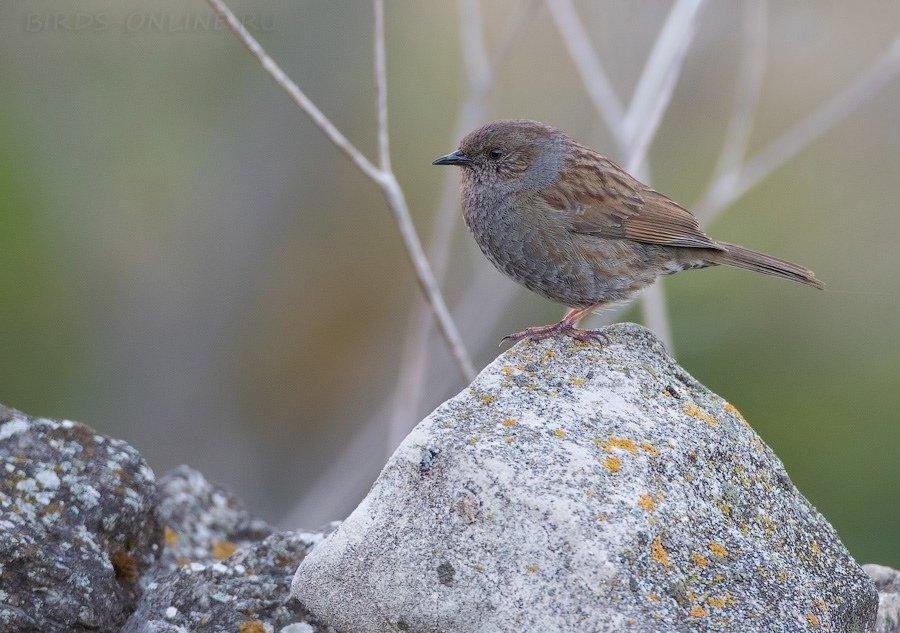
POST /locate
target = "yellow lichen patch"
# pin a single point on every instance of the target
(697, 611)
(646, 502)
(474, 440)
(813, 620)
(696, 412)
(589, 492)
(733, 410)
(223, 549)
(652, 597)
(782, 576)
(578, 382)
(623, 443)
(815, 548)
(507, 370)
(612, 464)
(718, 578)
(602, 517)
(718, 549)
(509, 422)
(691, 595)
(718, 602)
(171, 536)
(700, 560)
(487, 399)
(559, 433)
(658, 552)
(651, 450)
(510, 439)
(531, 568)
(725, 508)
(251, 626)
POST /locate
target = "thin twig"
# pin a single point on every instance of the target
(732, 186)
(748, 89)
(380, 67)
(384, 178)
(480, 71)
(587, 62)
(667, 54)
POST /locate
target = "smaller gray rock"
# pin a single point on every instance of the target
(887, 581)
(247, 592)
(76, 519)
(203, 523)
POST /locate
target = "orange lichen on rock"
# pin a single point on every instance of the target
(651, 450)
(487, 399)
(531, 567)
(646, 502)
(613, 443)
(658, 552)
(171, 536)
(509, 422)
(733, 410)
(700, 560)
(612, 464)
(652, 597)
(697, 611)
(252, 626)
(696, 412)
(507, 370)
(223, 549)
(718, 602)
(718, 549)
(560, 433)
(813, 620)
(578, 382)
(815, 548)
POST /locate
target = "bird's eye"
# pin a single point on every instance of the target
(495, 153)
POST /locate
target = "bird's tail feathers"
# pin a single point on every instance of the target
(740, 257)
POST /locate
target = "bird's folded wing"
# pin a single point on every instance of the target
(597, 197)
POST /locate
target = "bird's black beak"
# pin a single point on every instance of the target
(456, 158)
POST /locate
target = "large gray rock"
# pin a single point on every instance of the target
(76, 526)
(574, 487)
(887, 581)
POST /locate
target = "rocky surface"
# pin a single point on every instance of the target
(887, 581)
(247, 592)
(90, 542)
(574, 487)
(76, 519)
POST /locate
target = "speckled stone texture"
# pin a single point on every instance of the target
(247, 592)
(574, 487)
(202, 522)
(76, 528)
(221, 569)
(887, 581)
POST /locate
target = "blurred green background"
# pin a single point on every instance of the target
(187, 263)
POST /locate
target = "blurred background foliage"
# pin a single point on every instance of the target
(187, 263)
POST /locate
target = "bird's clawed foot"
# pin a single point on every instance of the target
(563, 328)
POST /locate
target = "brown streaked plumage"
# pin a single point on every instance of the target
(575, 227)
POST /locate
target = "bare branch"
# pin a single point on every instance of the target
(731, 186)
(748, 87)
(380, 68)
(587, 62)
(293, 90)
(384, 178)
(480, 73)
(665, 60)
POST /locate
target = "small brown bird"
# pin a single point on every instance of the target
(573, 226)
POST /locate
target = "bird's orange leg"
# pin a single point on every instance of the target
(566, 327)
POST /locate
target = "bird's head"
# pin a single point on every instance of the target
(512, 155)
